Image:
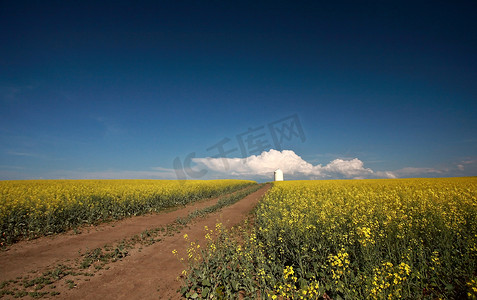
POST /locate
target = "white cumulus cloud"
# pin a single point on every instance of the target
(353, 168)
(291, 164)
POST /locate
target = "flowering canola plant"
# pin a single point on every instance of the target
(30, 208)
(353, 239)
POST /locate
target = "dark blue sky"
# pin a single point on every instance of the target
(119, 89)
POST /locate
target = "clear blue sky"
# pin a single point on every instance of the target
(120, 89)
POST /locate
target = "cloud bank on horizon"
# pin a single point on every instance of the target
(258, 167)
(292, 165)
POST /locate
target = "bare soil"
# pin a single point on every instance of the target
(149, 272)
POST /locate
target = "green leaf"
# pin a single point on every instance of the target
(184, 289)
(235, 285)
(206, 282)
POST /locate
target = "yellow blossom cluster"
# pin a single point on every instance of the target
(472, 285)
(387, 280)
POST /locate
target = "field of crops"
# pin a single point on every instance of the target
(31, 208)
(351, 239)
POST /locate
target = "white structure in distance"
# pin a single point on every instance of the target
(278, 175)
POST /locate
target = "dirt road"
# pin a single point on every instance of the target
(148, 272)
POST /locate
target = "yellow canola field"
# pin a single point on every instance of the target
(31, 208)
(357, 239)
(347, 239)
